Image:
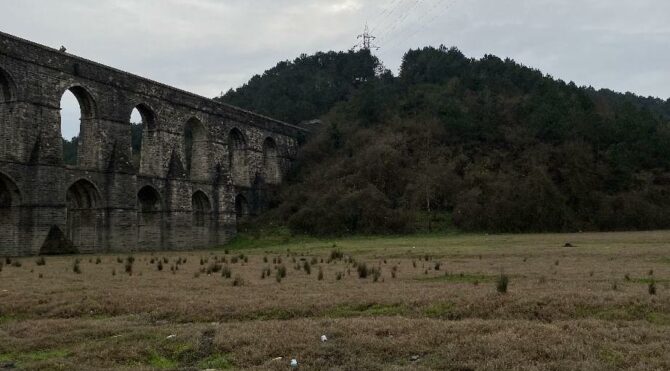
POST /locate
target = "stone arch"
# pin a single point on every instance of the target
(149, 218)
(271, 169)
(196, 149)
(144, 137)
(237, 155)
(202, 211)
(84, 216)
(84, 147)
(241, 207)
(10, 202)
(7, 87)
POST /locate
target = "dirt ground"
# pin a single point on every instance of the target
(428, 302)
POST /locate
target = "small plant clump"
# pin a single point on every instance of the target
(238, 281)
(307, 267)
(362, 269)
(225, 271)
(40, 261)
(16, 263)
(437, 266)
(501, 283)
(338, 276)
(376, 273)
(652, 287)
(76, 268)
(98, 260)
(320, 275)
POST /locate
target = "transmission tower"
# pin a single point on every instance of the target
(366, 40)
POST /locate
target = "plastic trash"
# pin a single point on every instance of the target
(171, 336)
(294, 363)
(324, 338)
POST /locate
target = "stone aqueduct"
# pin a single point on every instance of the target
(203, 164)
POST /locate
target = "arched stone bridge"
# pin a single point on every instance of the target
(202, 166)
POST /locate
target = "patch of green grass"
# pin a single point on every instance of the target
(612, 357)
(217, 361)
(460, 278)
(157, 361)
(371, 310)
(632, 312)
(273, 314)
(34, 356)
(445, 310)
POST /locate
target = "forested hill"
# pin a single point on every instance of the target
(482, 145)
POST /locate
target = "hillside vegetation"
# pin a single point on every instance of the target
(479, 144)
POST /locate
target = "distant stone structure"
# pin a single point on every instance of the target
(203, 165)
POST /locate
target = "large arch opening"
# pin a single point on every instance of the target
(149, 218)
(195, 149)
(84, 216)
(10, 201)
(76, 112)
(142, 130)
(271, 169)
(237, 156)
(202, 211)
(241, 208)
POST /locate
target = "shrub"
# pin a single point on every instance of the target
(320, 276)
(437, 266)
(119, 260)
(265, 259)
(225, 271)
(75, 268)
(376, 273)
(307, 267)
(281, 271)
(362, 270)
(238, 281)
(336, 254)
(129, 268)
(214, 268)
(130, 259)
(652, 287)
(501, 283)
(98, 260)
(159, 266)
(40, 261)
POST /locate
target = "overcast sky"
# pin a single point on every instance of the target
(209, 46)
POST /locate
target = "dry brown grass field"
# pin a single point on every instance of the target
(433, 304)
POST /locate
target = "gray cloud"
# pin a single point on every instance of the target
(209, 46)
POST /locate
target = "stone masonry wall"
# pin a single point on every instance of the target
(185, 193)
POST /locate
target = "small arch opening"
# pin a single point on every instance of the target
(6, 87)
(271, 168)
(149, 217)
(241, 208)
(201, 209)
(76, 107)
(142, 126)
(84, 215)
(237, 155)
(195, 149)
